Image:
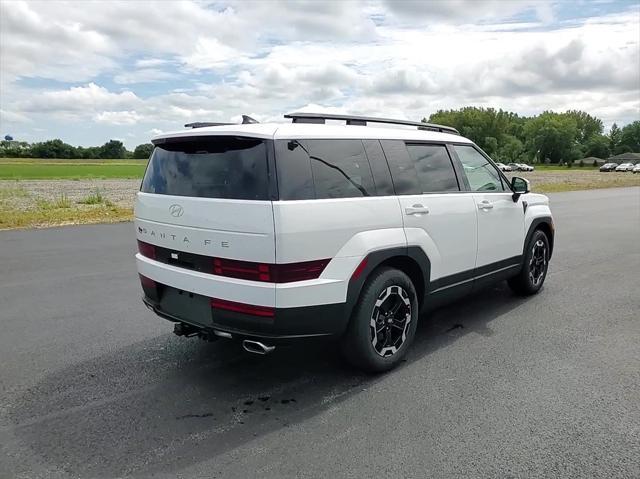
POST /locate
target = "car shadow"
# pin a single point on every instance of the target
(167, 403)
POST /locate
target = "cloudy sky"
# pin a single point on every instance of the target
(88, 71)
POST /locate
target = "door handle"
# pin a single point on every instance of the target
(416, 209)
(485, 205)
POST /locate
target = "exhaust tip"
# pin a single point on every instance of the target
(256, 347)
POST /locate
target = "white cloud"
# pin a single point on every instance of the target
(12, 117)
(156, 65)
(466, 10)
(143, 75)
(81, 100)
(209, 53)
(118, 117)
(151, 62)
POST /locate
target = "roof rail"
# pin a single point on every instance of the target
(301, 117)
(246, 119)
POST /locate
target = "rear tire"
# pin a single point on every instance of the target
(534, 267)
(383, 323)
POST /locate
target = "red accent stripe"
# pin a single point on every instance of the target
(249, 270)
(359, 269)
(147, 282)
(252, 309)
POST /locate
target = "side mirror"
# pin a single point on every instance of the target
(519, 186)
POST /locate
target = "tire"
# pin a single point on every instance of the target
(381, 349)
(534, 267)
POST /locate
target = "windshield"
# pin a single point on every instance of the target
(211, 167)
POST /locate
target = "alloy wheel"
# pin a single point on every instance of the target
(390, 320)
(538, 262)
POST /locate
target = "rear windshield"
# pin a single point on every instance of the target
(212, 167)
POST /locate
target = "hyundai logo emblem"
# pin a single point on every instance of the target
(176, 210)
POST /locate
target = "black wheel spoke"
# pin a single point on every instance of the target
(394, 310)
(389, 320)
(538, 262)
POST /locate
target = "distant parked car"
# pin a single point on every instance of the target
(609, 167)
(526, 167)
(514, 166)
(625, 167)
(636, 169)
(503, 167)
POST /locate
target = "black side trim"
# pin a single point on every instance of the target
(492, 267)
(455, 286)
(451, 280)
(472, 274)
(272, 172)
(534, 225)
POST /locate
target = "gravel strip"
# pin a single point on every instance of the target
(123, 192)
(120, 192)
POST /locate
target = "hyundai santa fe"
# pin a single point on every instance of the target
(271, 233)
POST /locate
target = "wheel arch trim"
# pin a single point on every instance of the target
(412, 254)
(544, 223)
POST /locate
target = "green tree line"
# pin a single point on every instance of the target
(549, 137)
(505, 136)
(113, 149)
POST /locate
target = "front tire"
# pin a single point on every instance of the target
(383, 323)
(534, 267)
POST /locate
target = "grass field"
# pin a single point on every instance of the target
(39, 193)
(34, 169)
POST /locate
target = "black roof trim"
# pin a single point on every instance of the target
(302, 117)
(246, 120)
(203, 124)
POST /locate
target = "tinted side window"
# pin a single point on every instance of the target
(340, 169)
(482, 175)
(379, 167)
(403, 172)
(434, 168)
(294, 170)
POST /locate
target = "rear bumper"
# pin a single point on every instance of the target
(329, 320)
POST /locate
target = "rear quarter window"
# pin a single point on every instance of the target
(210, 167)
(320, 169)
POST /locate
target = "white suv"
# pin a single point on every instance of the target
(268, 233)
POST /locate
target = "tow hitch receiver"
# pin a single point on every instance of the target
(186, 330)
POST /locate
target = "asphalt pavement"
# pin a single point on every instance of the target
(94, 385)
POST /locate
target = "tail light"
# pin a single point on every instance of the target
(251, 309)
(147, 249)
(289, 272)
(242, 269)
(270, 273)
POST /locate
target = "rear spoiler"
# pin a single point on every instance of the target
(246, 120)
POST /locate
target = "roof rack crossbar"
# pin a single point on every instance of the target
(302, 117)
